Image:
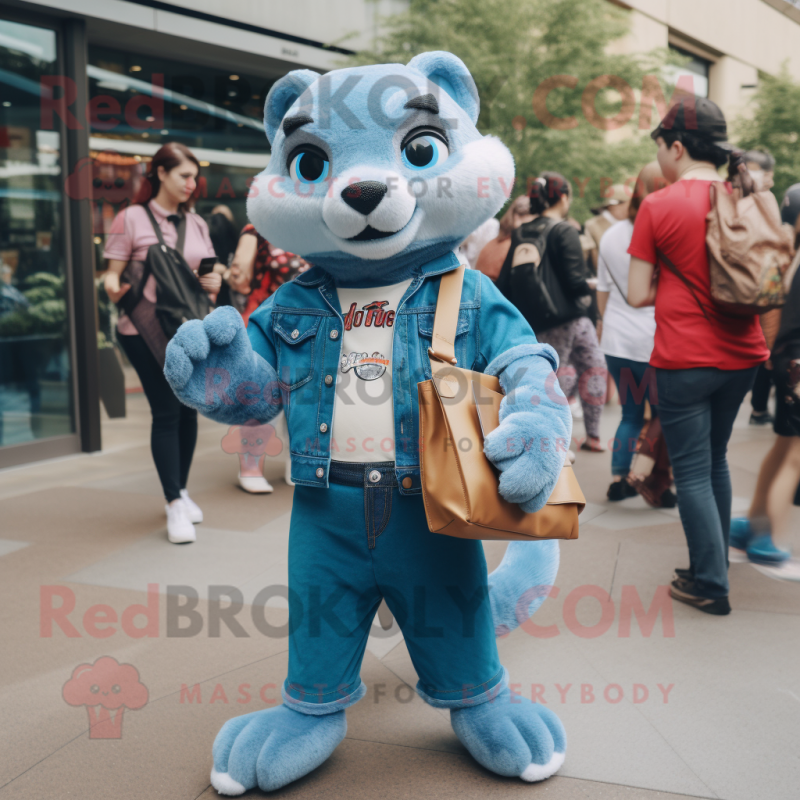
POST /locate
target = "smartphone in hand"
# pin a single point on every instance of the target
(206, 266)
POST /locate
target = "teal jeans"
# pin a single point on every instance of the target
(349, 547)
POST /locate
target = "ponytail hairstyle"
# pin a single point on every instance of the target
(547, 190)
(168, 156)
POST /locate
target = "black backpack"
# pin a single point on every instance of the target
(179, 296)
(528, 279)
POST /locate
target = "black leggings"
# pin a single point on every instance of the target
(761, 388)
(174, 432)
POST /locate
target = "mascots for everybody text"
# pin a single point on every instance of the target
(377, 174)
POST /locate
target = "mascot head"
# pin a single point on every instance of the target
(377, 170)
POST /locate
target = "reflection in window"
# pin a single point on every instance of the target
(35, 363)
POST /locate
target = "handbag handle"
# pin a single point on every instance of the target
(445, 321)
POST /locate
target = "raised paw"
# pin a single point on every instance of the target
(271, 748)
(209, 363)
(512, 736)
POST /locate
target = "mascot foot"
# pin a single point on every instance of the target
(512, 736)
(271, 748)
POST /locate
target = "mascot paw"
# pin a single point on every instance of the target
(529, 451)
(512, 736)
(271, 748)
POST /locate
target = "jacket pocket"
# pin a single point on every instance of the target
(295, 339)
(425, 327)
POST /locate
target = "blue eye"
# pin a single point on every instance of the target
(424, 151)
(309, 166)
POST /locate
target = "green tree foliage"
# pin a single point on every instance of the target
(511, 47)
(774, 124)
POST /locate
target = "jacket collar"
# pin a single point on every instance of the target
(316, 276)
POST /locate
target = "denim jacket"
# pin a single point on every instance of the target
(299, 331)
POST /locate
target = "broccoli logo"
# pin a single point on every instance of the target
(106, 688)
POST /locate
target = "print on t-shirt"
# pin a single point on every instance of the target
(367, 367)
(363, 427)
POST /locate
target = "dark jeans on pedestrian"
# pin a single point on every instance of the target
(635, 382)
(174, 432)
(697, 409)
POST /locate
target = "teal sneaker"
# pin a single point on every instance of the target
(762, 550)
(741, 533)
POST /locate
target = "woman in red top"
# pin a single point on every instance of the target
(258, 268)
(705, 361)
(257, 271)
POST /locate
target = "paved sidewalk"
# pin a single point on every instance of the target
(692, 706)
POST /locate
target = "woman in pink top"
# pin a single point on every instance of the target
(171, 182)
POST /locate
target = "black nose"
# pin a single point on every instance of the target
(365, 196)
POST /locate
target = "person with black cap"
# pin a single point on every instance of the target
(705, 361)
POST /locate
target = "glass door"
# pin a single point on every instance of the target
(36, 368)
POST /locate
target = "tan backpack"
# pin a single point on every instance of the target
(749, 251)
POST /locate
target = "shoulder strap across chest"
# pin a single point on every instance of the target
(445, 321)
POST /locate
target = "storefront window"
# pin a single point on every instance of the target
(35, 362)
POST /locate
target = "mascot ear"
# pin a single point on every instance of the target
(281, 96)
(451, 74)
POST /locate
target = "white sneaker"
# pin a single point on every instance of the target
(194, 510)
(255, 484)
(571, 456)
(179, 527)
(287, 473)
(577, 410)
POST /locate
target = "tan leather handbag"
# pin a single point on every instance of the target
(457, 408)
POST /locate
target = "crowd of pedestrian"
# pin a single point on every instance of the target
(680, 361)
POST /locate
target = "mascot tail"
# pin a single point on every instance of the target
(522, 582)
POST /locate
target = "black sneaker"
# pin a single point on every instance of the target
(620, 490)
(669, 499)
(684, 591)
(762, 419)
(683, 574)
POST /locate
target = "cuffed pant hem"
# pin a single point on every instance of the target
(474, 696)
(320, 709)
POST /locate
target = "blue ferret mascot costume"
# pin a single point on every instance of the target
(377, 174)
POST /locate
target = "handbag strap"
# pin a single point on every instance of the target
(616, 283)
(675, 271)
(445, 322)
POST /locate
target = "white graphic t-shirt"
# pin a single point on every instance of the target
(363, 416)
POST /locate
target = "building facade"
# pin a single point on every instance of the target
(91, 88)
(729, 41)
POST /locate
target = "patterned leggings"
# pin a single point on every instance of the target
(582, 365)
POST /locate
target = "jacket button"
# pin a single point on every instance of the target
(407, 483)
(295, 333)
(334, 334)
(374, 476)
(328, 380)
(323, 428)
(320, 472)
